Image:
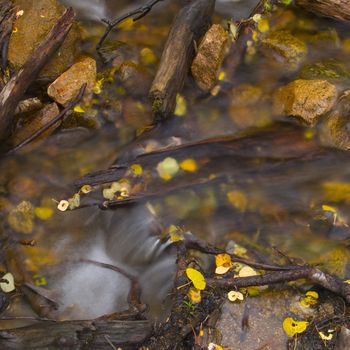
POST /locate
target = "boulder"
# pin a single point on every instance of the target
(206, 64)
(307, 100)
(30, 29)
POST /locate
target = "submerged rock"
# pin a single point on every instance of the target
(21, 218)
(31, 28)
(305, 99)
(284, 47)
(209, 57)
(330, 69)
(66, 87)
(335, 129)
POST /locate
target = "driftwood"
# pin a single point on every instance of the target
(14, 90)
(337, 9)
(7, 16)
(189, 26)
(73, 335)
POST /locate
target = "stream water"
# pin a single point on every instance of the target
(281, 208)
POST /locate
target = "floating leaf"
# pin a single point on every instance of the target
(196, 277)
(8, 286)
(167, 168)
(43, 213)
(86, 189)
(194, 295)
(293, 327)
(74, 202)
(189, 165)
(136, 169)
(108, 193)
(63, 205)
(234, 295)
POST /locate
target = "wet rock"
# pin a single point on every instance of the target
(209, 57)
(66, 87)
(331, 70)
(31, 124)
(305, 99)
(285, 48)
(335, 129)
(134, 78)
(21, 218)
(30, 29)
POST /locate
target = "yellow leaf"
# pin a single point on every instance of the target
(326, 337)
(222, 75)
(234, 295)
(78, 109)
(167, 168)
(189, 165)
(310, 299)
(136, 169)
(326, 207)
(181, 106)
(263, 25)
(213, 346)
(43, 213)
(347, 281)
(196, 277)
(223, 260)
(293, 327)
(108, 193)
(97, 89)
(194, 295)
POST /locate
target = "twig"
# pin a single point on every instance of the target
(7, 17)
(14, 90)
(138, 13)
(52, 122)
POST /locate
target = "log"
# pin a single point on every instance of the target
(336, 9)
(73, 335)
(188, 27)
(14, 90)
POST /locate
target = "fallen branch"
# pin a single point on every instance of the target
(37, 133)
(138, 13)
(189, 26)
(337, 9)
(7, 17)
(14, 90)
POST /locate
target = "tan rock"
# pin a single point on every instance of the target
(66, 87)
(30, 29)
(209, 57)
(21, 218)
(305, 99)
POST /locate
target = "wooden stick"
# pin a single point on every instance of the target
(337, 9)
(189, 26)
(14, 90)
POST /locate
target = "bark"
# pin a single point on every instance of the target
(337, 9)
(74, 335)
(189, 26)
(14, 90)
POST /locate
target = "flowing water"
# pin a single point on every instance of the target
(280, 207)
